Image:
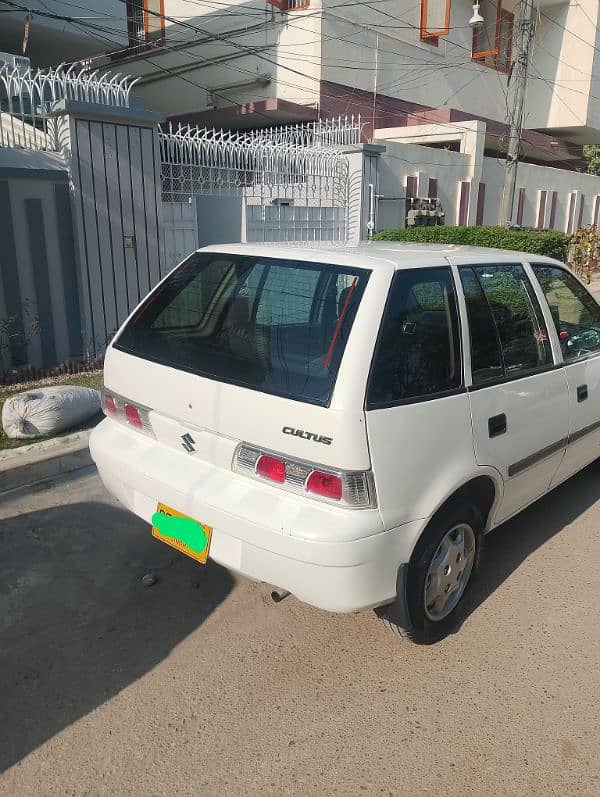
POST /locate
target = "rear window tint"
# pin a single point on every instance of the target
(279, 326)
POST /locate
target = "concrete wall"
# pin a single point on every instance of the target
(451, 169)
(201, 71)
(563, 87)
(400, 161)
(532, 179)
(38, 279)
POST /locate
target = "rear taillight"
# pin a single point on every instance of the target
(345, 488)
(108, 403)
(132, 416)
(328, 485)
(271, 468)
(125, 411)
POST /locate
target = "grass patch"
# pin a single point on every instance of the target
(83, 380)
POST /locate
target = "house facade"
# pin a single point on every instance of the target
(251, 63)
(428, 87)
(247, 64)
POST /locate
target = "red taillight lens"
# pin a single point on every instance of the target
(108, 402)
(563, 334)
(132, 416)
(325, 484)
(271, 468)
(352, 489)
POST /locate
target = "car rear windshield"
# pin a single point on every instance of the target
(279, 326)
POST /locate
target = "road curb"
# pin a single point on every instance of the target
(20, 467)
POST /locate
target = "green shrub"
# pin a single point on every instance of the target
(538, 242)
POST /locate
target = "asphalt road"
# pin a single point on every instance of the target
(200, 685)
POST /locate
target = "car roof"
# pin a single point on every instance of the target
(399, 255)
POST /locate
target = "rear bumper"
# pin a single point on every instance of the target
(336, 559)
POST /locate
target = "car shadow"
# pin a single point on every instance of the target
(76, 624)
(508, 546)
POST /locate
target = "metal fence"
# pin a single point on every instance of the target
(339, 131)
(27, 96)
(289, 190)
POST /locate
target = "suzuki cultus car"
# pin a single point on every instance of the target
(348, 424)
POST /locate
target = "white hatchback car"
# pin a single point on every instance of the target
(347, 424)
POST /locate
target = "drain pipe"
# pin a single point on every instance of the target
(372, 211)
(277, 595)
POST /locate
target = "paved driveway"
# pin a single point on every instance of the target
(201, 686)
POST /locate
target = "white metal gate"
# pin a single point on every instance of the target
(292, 182)
(180, 231)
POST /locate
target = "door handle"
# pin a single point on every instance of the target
(582, 393)
(497, 425)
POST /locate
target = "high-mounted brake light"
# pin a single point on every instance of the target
(351, 489)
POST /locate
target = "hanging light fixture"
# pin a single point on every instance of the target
(476, 20)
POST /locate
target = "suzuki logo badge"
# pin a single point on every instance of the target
(188, 442)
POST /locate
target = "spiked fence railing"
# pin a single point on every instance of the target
(27, 96)
(339, 131)
(219, 161)
(298, 189)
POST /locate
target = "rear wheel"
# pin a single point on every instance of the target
(449, 571)
(441, 571)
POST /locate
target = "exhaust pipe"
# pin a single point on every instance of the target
(277, 595)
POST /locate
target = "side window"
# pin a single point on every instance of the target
(418, 353)
(486, 358)
(576, 314)
(521, 337)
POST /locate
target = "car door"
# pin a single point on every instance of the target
(518, 392)
(417, 416)
(576, 315)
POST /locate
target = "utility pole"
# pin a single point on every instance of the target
(517, 83)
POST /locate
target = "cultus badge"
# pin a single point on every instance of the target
(317, 438)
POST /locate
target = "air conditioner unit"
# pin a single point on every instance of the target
(19, 62)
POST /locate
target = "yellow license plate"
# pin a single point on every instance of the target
(182, 532)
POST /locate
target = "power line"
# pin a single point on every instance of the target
(222, 93)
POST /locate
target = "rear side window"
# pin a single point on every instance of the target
(576, 314)
(418, 353)
(508, 334)
(279, 326)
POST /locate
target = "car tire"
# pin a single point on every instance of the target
(441, 572)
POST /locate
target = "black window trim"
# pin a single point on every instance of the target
(561, 267)
(502, 380)
(455, 391)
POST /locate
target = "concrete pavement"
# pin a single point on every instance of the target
(201, 686)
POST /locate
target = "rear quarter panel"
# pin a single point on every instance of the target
(421, 454)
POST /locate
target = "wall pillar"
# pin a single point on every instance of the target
(114, 166)
(363, 161)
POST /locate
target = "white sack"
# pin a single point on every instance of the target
(48, 410)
